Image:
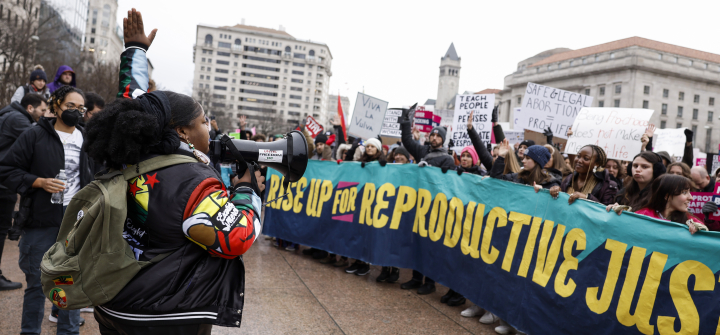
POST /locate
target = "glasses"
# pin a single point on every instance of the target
(82, 110)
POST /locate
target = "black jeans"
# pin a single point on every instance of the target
(7, 207)
(419, 276)
(110, 327)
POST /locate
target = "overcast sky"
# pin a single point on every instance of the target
(392, 49)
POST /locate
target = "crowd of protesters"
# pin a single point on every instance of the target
(47, 128)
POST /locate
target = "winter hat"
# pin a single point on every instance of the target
(538, 153)
(401, 151)
(440, 131)
(374, 142)
(38, 73)
(386, 147)
(666, 155)
(471, 150)
(527, 143)
(321, 138)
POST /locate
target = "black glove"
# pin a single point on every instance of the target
(355, 144)
(444, 170)
(489, 147)
(407, 113)
(495, 113)
(688, 135)
(709, 208)
(451, 143)
(382, 162)
(549, 135)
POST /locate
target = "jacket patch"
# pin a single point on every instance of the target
(58, 297)
(63, 280)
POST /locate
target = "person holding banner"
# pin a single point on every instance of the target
(433, 154)
(533, 173)
(556, 165)
(616, 171)
(646, 167)
(481, 149)
(590, 180)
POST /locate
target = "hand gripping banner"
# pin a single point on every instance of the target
(544, 266)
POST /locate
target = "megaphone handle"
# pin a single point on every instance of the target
(242, 165)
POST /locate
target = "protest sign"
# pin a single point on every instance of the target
(712, 163)
(368, 116)
(699, 199)
(390, 126)
(521, 255)
(616, 130)
(514, 136)
(544, 106)
(312, 126)
(700, 162)
(671, 141)
(482, 105)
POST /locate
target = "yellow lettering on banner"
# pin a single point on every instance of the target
(488, 253)
(519, 220)
(530, 247)
(297, 206)
(366, 206)
(405, 201)
(272, 193)
(436, 225)
(351, 200)
(477, 228)
(576, 235)
(424, 199)
(646, 301)
(380, 220)
(310, 208)
(601, 305)
(467, 228)
(345, 196)
(687, 312)
(337, 202)
(324, 195)
(453, 225)
(546, 259)
(287, 204)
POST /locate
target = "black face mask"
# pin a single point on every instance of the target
(71, 117)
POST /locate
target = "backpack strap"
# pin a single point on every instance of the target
(155, 163)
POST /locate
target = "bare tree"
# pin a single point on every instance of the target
(18, 39)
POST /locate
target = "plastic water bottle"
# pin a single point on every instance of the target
(57, 198)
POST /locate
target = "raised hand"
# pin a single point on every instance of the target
(335, 122)
(569, 132)
(134, 29)
(243, 121)
(470, 118)
(504, 148)
(650, 131)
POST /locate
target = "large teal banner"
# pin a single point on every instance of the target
(543, 265)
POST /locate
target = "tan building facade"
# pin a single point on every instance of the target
(103, 35)
(680, 84)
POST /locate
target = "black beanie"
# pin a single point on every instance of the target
(321, 138)
(38, 73)
(401, 151)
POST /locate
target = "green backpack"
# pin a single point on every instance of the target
(91, 261)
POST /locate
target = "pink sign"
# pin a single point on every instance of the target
(700, 161)
(699, 199)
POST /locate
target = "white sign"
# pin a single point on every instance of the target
(616, 130)
(544, 106)
(670, 140)
(368, 116)
(482, 105)
(514, 136)
(390, 126)
(266, 155)
(517, 114)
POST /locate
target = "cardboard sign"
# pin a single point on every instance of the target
(670, 140)
(367, 118)
(514, 136)
(312, 126)
(545, 106)
(390, 126)
(482, 105)
(616, 130)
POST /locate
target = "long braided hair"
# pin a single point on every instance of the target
(599, 159)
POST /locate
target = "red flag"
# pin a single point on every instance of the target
(342, 117)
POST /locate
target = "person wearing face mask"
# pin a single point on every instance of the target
(29, 168)
(64, 76)
(590, 180)
(646, 167)
(37, 85)
(669, 201)
(617, 172)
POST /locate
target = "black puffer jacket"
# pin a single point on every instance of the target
(437, 157)
(39, 153)
(14, 120)
(499, 166)
(604, 192)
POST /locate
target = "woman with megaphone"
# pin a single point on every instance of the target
(184, 209)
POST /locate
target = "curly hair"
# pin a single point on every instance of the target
(123, 133)
(57, 97)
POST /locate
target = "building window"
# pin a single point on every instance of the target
(298, 72)
(220, 88)
(673, 59)
(602, 90)
(711, 102)
(666, 93)
(220, 79)
(617, 102)
(663, 124)
(660, 56)
(208, 40)
(222, 62)
(710, 116)
(612, 55)
(646, 90)
(681, 96)
(664, 109)
(646, 104)
(696, 99)
(202, 77)
(519, 100)
(695, 114)
(601, 103)
(587, 91)
(584, 61)
(618, 89)
(680, 110)
(708, 136)
(224, 45)
(678, 125)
